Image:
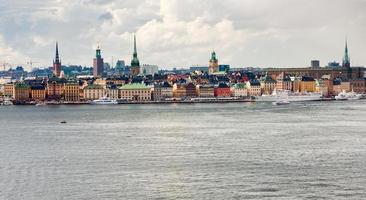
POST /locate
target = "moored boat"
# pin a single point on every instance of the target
(104, 101)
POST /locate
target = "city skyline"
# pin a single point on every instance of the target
(170, 35)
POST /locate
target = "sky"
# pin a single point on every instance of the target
(183, 33)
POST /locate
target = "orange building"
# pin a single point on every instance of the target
(38, 93)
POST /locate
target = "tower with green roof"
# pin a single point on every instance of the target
(214, 64)
(135, 63)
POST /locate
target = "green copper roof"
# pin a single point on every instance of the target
(21, 85)
(213, 57)
(134, 86)
(240, 86)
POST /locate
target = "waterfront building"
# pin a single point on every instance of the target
(135, 92)
(57, 63)
(163, 91)
(214, 64)
(179, 90)
(283, 82)
(321, 86)
(222, 90)
(340, 86)
(307, 84)
(55, 88)
(254, 87)
(268, 85)
(113, 92)
(358, 85)
(98, 64)
(191, 90)
(135, 63)
(21, 92)
(94, 92)
(206, 91)
(38, 93)
(239, 90)
(149, 69)
(72, 91)
(8, 89)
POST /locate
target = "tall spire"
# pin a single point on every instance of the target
(134, 45)
(57, 58)
(346, 59)
(135, 61)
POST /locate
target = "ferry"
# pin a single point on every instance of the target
(290, 96)
(104, 101)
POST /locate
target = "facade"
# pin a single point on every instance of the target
(57, 63)
(206, 91)
(254, 87)
(222, 90)
(307, 84)
(72, 92)
(9, 89)
(21, 92)
(191, 90)
(239, 90)
(179, 90)
(94, 92)
(98, 64)
(55, 88)
(358, 85)
(283, 82)
(268, 85)
(214, 64)
(135, 63)
(135, 92)
(163, 91)
(113, 92)
(38, 93)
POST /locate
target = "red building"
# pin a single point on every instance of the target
(223, 90)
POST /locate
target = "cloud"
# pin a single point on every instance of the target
(183, 33)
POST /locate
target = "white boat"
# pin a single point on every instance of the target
(292, 97)
(7, 102)
(281, 102)
(105, 101)
(342, 96)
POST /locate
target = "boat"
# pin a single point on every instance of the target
(281, 102)
(104, 101)
(292, 97)
(342, 96)
(63, 122)
(41, 104)
(353, 95)
(7, 102)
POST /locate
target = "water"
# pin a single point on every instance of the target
(202, 151)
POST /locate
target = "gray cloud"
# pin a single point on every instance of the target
(182, 33)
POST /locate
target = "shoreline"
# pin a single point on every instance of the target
(157, 102)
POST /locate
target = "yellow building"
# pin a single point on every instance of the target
(38, 93)
(21, 92)
(135, 92)
(179, 90)
(72, 92)
(307, 84)
(206, 91)
(9, 89)
(94, 92)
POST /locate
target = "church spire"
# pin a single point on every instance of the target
(57, 57)
(346, 59)
(135, 63)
